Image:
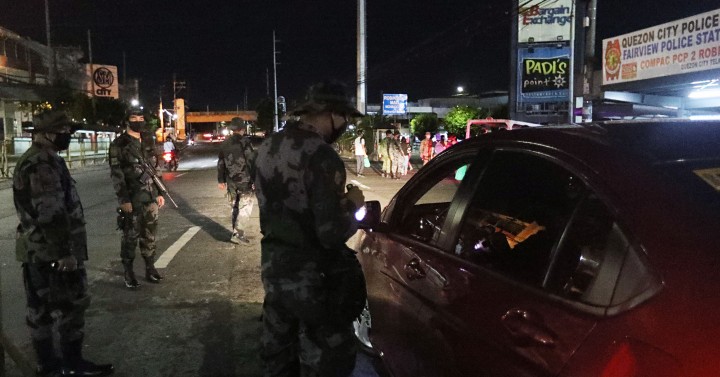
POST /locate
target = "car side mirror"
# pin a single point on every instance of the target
(368, 216)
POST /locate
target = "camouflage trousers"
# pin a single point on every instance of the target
(242, 206)
(143, 229)
(56, 301)
(298, 337)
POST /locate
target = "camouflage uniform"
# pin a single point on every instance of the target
(397, 157)
(305, 219)
(133, 184)
(235, 160)
(384, 151)
(52, 229)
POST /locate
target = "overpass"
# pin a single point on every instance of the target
(219, 116)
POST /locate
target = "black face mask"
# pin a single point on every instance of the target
(136, 126)
(62, 141)
(336, 132)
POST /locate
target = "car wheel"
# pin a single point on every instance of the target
(362, 326)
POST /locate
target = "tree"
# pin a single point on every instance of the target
(456, 119)
(424, 123)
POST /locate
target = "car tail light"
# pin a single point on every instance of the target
(621, 364)
(633, 358)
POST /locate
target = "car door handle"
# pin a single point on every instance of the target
(413, 271)
(527, 328)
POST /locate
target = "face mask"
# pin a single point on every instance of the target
(136, 126)
(335, 133)
(62, 141)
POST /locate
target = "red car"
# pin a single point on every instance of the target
(552, 251)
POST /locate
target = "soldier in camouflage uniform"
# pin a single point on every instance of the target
(234, 162)
(52, 246)
(305, 218)
(139, 199)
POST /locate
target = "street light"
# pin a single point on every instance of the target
(460, 89)
(134, 102)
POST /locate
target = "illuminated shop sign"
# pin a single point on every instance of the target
(691, 44)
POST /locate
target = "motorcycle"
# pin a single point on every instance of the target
(171, 160)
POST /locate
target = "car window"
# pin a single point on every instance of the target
(594, 252)
(521, 206)
(426, 206)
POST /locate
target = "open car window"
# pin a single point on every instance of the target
(517, 214)
(426, 206)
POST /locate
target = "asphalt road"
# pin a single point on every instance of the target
(203, 320)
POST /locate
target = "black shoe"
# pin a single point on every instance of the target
(152, 275)
(130, 280)
(88, 369)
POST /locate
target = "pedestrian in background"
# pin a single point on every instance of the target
(235, 162)
(360, 153)
(384, 154)
(306, 216)
(51, 243)
(139, 198)
(397, 156)
(440, 145)
(405, 146)
(427, 150)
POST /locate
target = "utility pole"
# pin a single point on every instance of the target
(53, 62)
(92, 74)
(361, 99)
(590, 25)
(161, 116)
(275, 64)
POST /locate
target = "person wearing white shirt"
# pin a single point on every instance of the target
(360, 153)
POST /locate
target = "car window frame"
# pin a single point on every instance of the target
(407, 196)
(591, 184)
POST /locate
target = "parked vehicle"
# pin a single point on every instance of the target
(562, 251)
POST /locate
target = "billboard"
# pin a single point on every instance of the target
(546, 21)
(544, 74)
(395, 104)
(102, 80)
(691, 44)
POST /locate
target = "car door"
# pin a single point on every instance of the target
(511, 325)
(400, 270)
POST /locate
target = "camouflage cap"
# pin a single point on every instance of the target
(236, 124)
(53, 121)
(327, 96)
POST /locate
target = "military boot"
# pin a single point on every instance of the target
(75, 365)
(130, 279)
(151, 273)
(48, 364)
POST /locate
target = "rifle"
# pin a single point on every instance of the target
(161, 186)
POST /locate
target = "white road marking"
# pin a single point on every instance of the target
(180, 175)
(170, 253)
(358, 184)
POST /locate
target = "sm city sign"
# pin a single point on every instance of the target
(687, 45)
(102, 80)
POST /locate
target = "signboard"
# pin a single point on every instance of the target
(544, 74)
(691, 44)
(546, 21)
(102, 80)
(395, 104)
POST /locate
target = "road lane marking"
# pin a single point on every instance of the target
(170, 253)
(358, 184)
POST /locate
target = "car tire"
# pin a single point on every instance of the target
(362, 327)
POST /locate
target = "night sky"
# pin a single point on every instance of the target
(222, 48)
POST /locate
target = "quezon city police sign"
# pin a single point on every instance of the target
(691, 44)
(102, 81)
